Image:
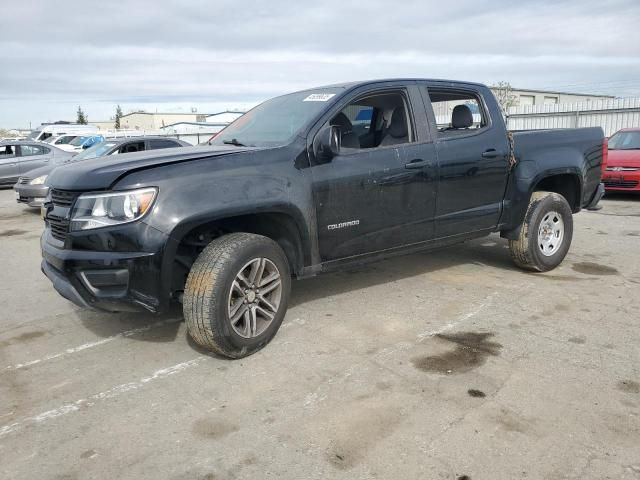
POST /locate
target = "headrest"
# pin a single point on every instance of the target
(398, 126)
(343, 122)
(461, 117)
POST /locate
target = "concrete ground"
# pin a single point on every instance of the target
(445, 365)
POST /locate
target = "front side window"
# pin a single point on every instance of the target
(374, 121)
(625, 141)
(276, 121)
(457, 112)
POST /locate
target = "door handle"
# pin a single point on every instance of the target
(417, 164)
(492, 153)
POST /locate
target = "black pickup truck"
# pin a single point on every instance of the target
(307, 183)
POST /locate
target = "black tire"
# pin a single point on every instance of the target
(526, 252)
(208, 289)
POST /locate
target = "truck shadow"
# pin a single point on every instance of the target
(141, 326)
(489, 251)
(165, 328)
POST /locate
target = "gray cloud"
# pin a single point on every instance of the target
(172, 54)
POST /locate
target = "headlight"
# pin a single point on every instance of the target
(95, 210)
(38, 180)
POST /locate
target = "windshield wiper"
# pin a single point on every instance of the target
(233, 141)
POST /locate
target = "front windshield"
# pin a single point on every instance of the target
(625, 141)
(78, 141)
(276, 121)
(95, 151)
(34, 134)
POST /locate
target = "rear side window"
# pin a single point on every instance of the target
(156, 144)
(30, 150)
(457, 112)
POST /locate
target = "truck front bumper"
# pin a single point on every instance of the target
(106, 281)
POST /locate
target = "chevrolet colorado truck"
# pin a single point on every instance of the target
(307, 183)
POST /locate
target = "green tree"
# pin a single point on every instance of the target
(82, 118)
(116, 125)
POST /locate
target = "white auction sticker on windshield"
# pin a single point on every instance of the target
(319, 97)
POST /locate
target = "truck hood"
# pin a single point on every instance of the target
(100, 173)
(623, 158)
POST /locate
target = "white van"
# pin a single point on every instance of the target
(57, 129)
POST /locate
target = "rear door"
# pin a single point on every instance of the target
(366, 198)
(472, 157)
(9, 172)
(33, 156)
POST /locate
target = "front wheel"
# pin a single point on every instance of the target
(546, 233)
(236, 294)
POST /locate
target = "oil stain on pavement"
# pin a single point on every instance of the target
(12, 233)
(470, 350)
(629, 386)
(590, 268)
(22, 338)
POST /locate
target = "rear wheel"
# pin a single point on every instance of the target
(546, 233)
(236, 294)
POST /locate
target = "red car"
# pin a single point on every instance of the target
(622, 173)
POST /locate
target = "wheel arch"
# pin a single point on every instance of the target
(188, 239)
(566, 182)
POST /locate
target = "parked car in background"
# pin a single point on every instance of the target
(60, 139)
(623, 166)
(18, 157)
(31, 189)
(57, 129)
(115, 146)
(81, 142)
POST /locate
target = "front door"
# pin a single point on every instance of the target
(377, 193)
(8, 165)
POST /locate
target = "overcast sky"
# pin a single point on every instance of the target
(213, 55)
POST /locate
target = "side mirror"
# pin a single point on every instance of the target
(327, 143)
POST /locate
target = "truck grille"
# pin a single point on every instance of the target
(59, 225)
(63, 198)
(623, 169)
(620, 183)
